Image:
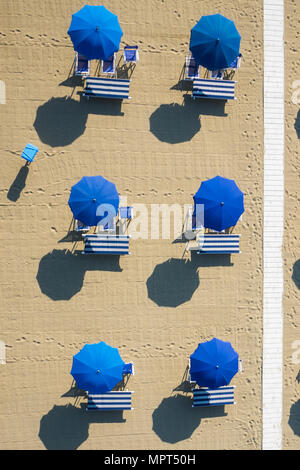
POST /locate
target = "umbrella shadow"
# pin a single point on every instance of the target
(18, 184)
(174, 123)
(60, 121)
(173, 282)
(297, 125)
(296, 273)
(67, 427)
(61, 274)
(294, 419)
(175, 419)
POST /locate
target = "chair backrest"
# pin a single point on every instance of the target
(128, 368)
(236, 63)
(131, 54)
(217, 74)
(192, 69)
(109, 65)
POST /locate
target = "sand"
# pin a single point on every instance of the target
(157, 304)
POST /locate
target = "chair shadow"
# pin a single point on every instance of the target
(18, 184)
(175, 419)
(294, 419)
(296, 273)
(62, 120)
(61, 273)
(297, 125)
(67, 427)
(173, 282)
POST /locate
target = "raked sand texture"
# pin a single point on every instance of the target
(154, 305)
(291, 251)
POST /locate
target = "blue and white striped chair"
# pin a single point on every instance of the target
(213, 88)
(82, 65)
(114, 400)
(219, 243)
(213, 397)
(98, 244)
(112, 88)
(108, 66)
(192, 69)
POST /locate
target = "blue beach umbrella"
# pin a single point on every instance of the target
(95, 32)
(215, 42)
(213, 363)
(97, 368)
(223, 203)
(93, 198)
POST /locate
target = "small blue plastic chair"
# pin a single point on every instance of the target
(126, 212)
(29, 152)
(131, 54)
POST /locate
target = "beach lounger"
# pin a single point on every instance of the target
(98, 244)
(213, 397)
(108, 66)
(128, 368)
(114, 400)
(80, 227)
(82, 65)
(29, 152)
(98, 87)
(126, 213)
(214, 89)
(192, 70)
(131, 54)
(219, 243)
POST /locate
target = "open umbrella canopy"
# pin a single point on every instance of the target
(97, 368)
(223, 203)
(95, 32)
(215, 42)
(92, 199)
(214, 363)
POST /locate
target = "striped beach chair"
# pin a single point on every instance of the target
(113, 88)
(98, 244)
(82, 65)
(219, 243)
(213, 88)
(114, 400)
(213, 397)
(192, 69)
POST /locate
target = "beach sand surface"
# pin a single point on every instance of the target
(157, 304)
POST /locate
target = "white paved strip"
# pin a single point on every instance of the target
(273, 222)
(2, 353)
